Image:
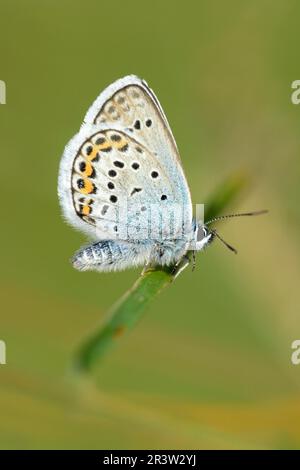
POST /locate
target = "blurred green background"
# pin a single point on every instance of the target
(209, 365)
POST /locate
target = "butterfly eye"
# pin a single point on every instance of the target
(202, 233)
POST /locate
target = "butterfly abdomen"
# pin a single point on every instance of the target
(110, 255)
(103, 253)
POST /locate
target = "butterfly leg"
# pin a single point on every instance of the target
(148, 267)
(194, 260)
(180, 265)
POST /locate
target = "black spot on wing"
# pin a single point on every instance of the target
(135, 190)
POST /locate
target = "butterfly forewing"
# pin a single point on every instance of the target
(130, 104)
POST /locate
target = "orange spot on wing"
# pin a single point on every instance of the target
(88, 169)
(88, 187)
(105, 145)
(86, 210)
(93, 154)
(121, 143)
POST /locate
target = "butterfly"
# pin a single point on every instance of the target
(121, 182)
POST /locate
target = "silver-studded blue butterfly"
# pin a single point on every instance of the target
(121, 182)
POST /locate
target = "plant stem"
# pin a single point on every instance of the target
(129, 309)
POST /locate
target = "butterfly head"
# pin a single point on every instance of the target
(203, 236)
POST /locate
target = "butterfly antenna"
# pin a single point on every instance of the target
(244, 214)
(231, 248)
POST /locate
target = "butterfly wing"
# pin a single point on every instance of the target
(131, 104)
(123, 167)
